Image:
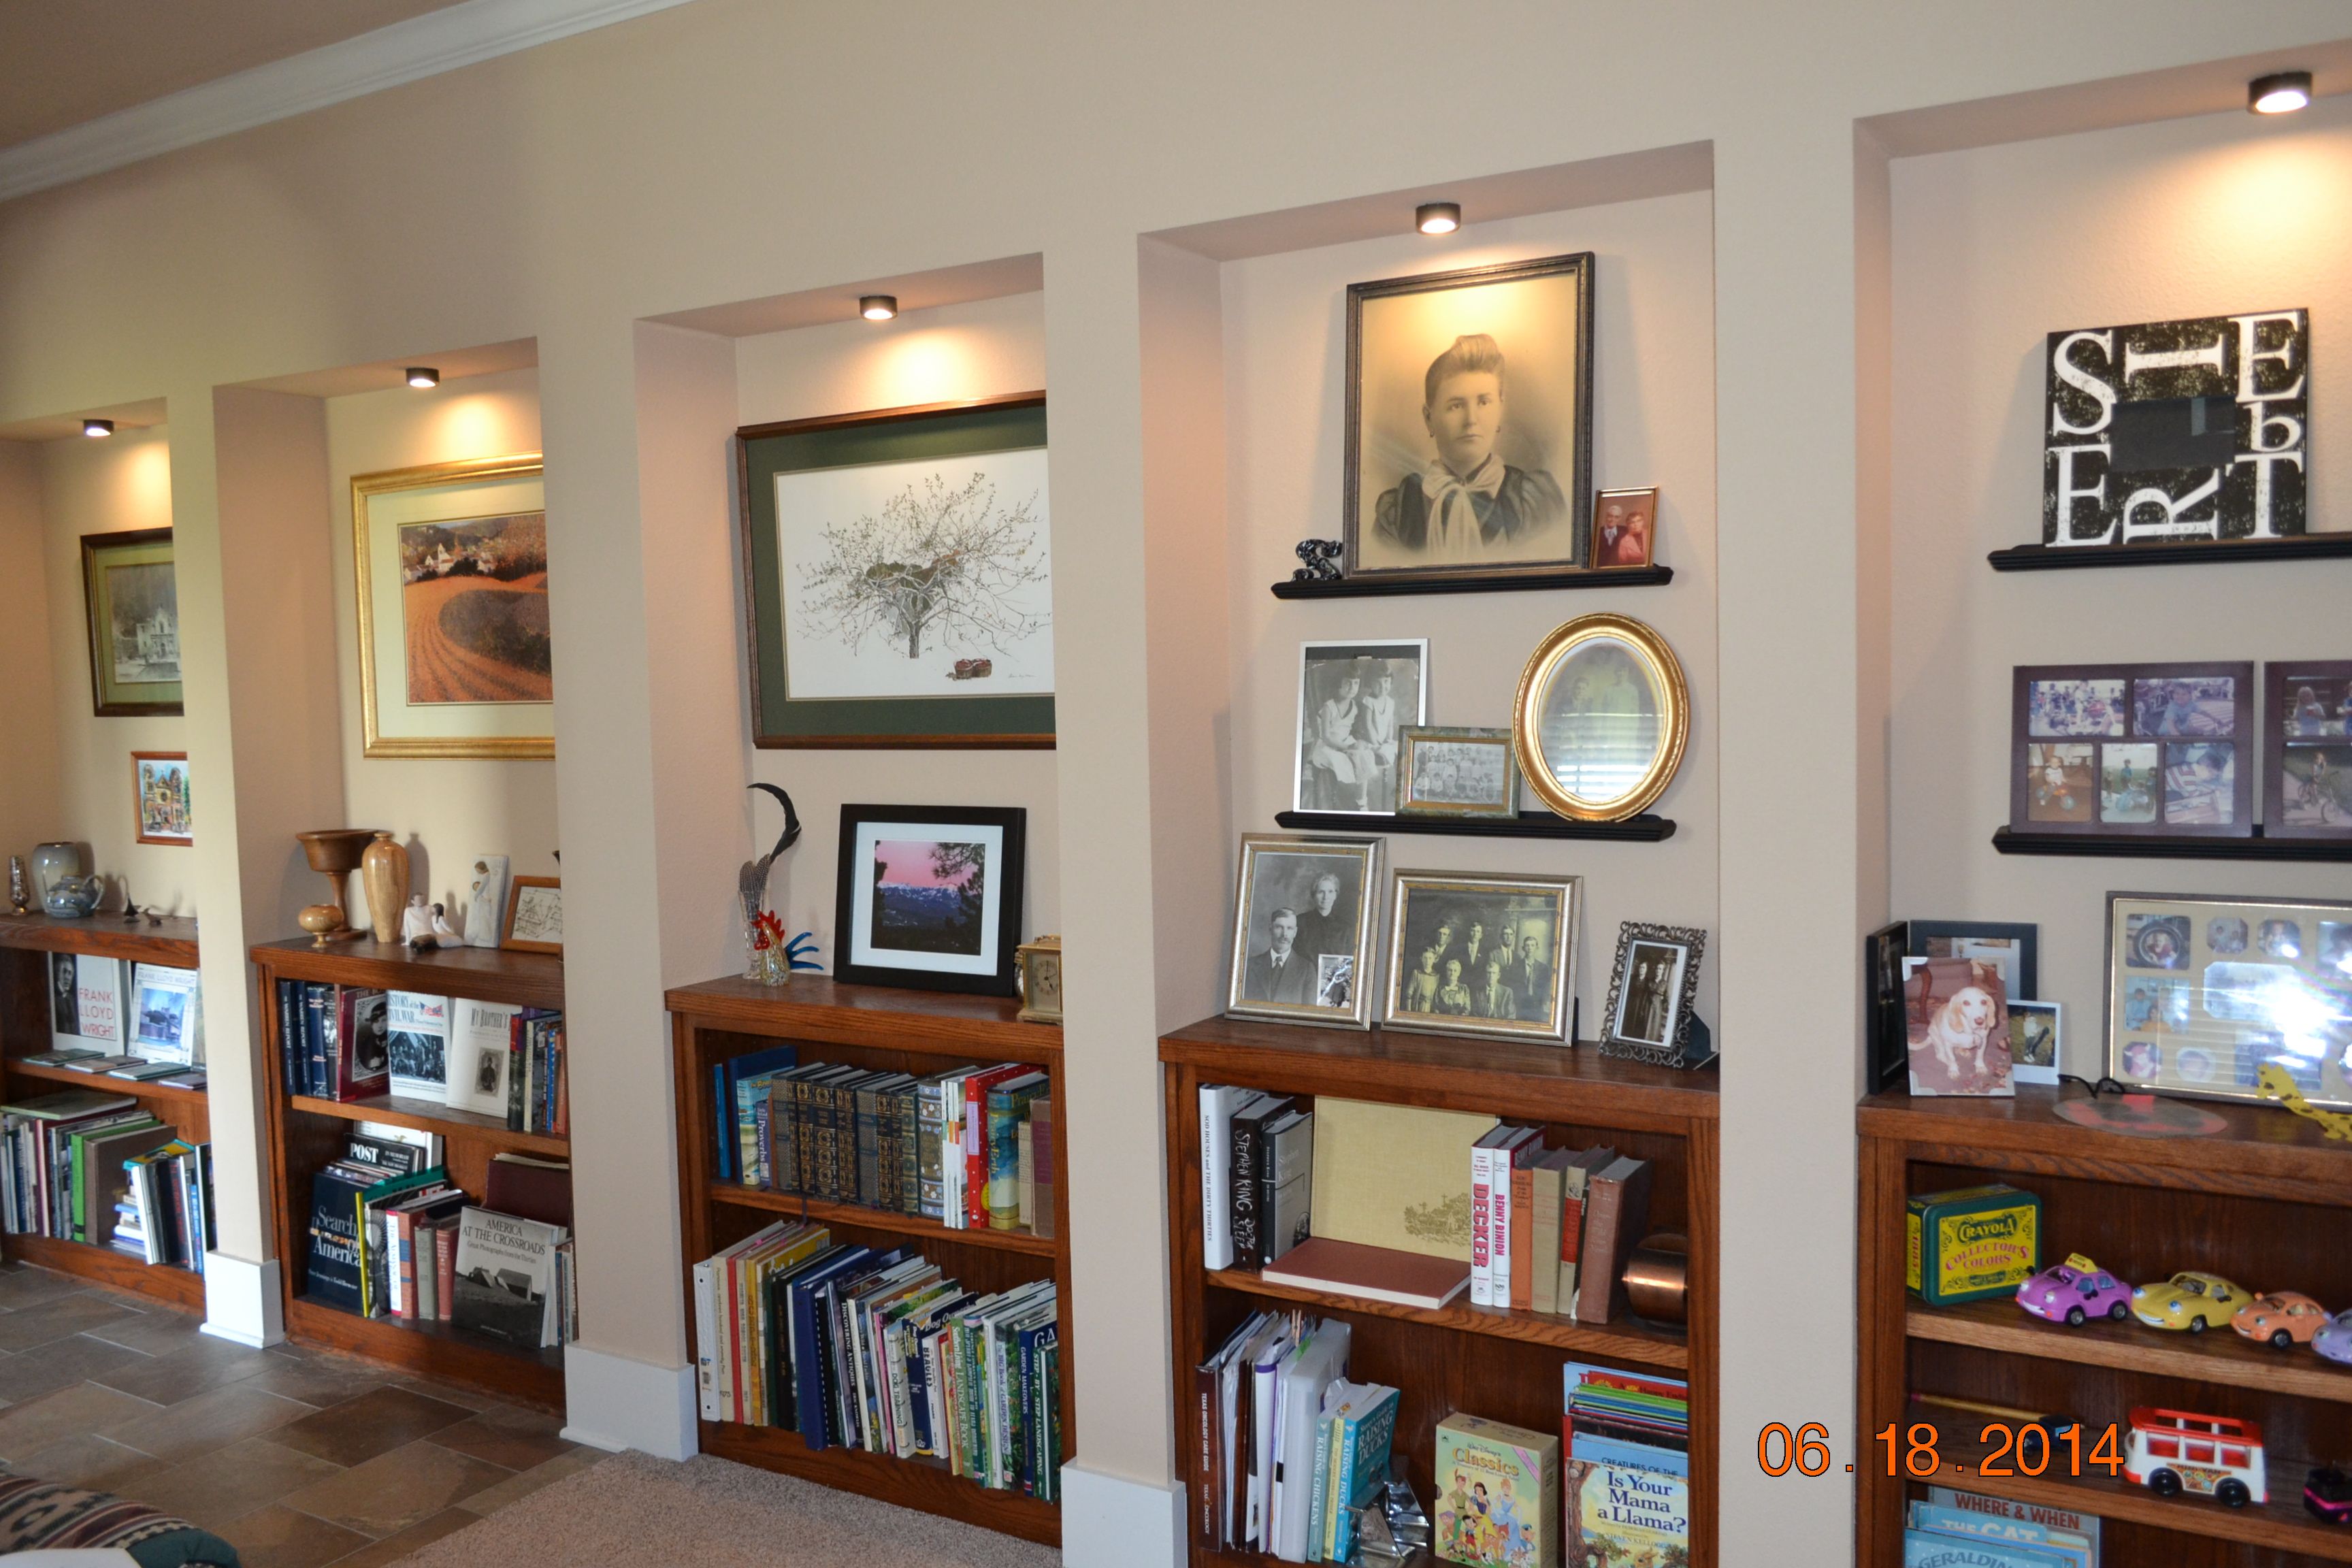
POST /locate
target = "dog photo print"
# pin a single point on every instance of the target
(1956, 1012)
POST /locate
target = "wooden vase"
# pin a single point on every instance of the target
(383, 873)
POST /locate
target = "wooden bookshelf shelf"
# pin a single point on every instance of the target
(305, 1133)
(67, 1077)
(857, 1216)
(183, 1287)
(2219, 1356)
(1498, 1364)
(104, 936)
(919, 1032)
(1614, 1342)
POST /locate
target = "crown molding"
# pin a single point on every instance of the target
(443, 41)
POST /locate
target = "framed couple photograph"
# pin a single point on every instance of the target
(1491, 954)
(1304, 931)
(930, 896)
(2132, 749)
(1653, 987)
(1356, 700)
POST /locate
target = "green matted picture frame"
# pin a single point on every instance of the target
(130, 603)
(1011, 423)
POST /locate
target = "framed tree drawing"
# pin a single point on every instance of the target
(451, 565)
(897, 577)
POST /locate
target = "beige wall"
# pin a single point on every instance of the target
(1994, 249)
(28, 703)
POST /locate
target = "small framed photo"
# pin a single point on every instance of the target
(535, 916)
(1956, 1013)
(2132, 750)
(1488, 954)
(1303, 929)
(1652, 987)
(2034, 1040)
(2228, 997)
(1624, 528)
(2014, 949)
(1882, 952)
(1355, 701)
(1446, 771)
(159, 787)
(929, 896)
(2307, 749)
(130, 599)
(1041, 980)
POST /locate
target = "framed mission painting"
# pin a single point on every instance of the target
(1469, 422)
(898, 572)
(132, 601)
(451, 567)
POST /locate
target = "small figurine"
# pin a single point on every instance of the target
(1320, 559)
(2334, 1340)
(2076, 1291)
(2276, 1085)
(2230, 1468)
(416, 925)
(19, 898)
(2189, 1301)
(129, 910)
(2285, 1318)
(2327, 1494)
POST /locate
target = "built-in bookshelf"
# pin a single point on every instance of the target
(2251, 1202)
(305, 1133)
(918, 1031)
(26, 943)
(1502, 1364)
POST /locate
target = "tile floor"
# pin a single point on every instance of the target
(300, 1457)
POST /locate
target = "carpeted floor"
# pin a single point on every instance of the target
(635, 1512)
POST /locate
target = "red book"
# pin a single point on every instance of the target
(1375, 1273)
(1522, 1235)
(445, 1269)
(975, 1141)
(363, 1045)
(529, 1187)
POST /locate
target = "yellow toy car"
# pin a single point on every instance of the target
(2189, 1301)
(2285, 1318)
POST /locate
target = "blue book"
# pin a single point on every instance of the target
(1927, 1548)
(724, 1076)
(332, 1274)
(808, 1385)
(1992, 1530)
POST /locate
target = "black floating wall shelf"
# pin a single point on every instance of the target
(2188, 553)
(1642, 829)
(2183, 847)
(1533, 582)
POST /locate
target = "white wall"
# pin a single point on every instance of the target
(1995, 248)
(28, 703)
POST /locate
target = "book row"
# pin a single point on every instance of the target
(391, 1236)
(881, 1351)
(1951, 1529)
(88, 1166)
(972, 1149)
(491, 1058)
(126, 1013)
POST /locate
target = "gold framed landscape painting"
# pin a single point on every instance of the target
(451, 570)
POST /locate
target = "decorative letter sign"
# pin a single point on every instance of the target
(2175, 430)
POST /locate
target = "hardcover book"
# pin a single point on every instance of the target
(506, 1278)
(479, 1053)
(1394, 1175)
(1926, 1549)
(1375, 1273)
(1498, 1494)
(87, 1002)
(1616, 1217)
(166, 1014)
(1626, 1516)
(419, 1039)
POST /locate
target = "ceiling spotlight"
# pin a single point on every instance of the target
(1437, 217)
(2281, 92)
(877, 307)
(422, 376)
(97, 429)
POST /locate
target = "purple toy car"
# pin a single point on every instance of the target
(2073, 1292)
(2328, 1494)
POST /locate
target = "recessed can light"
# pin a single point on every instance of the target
(2281, 92)
(877, 307)
(422, 376)
(97, 429)
(1437, 217)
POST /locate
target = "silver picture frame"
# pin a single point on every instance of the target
(1298, 956)
(1438, 920)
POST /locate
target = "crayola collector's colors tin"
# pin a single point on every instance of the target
(1972, 1243)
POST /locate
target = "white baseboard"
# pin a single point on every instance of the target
(241, 1300)
(1110, 1522)
(612, 1403)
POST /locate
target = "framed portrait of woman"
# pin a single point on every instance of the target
(1356, 700)
(1469, 422)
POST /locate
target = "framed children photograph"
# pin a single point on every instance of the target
(1624, 528)
(1652, 987)
(2132, 749)
(1304, 931)
(159, 789)
(1486, 954)
(2014, 949)
(535, 916)
(1355, 700)
(897, 576)
(450, 561)
(2230, 998)
(1469, 422)
(1956, 1013)
(2308, 749)
(131, 598)
(929, 896)
(1455, 772)
(2034, 1041)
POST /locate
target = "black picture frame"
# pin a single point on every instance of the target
(2307, 713)
(2026, 938)
(1886, 1037)
(993, 971)
(1674, 1050)
(2047, 795)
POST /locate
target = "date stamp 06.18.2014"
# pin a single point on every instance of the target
(2027, 1446)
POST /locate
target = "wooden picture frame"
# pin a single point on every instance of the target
(1625, 528)
(1551, 724)
(2132, 750)
(1661, 1042)
(977, 434)
(2308, 749)
(160, 804)
(131, 610)
(952, 923)
(534, 921)
(1466, 919)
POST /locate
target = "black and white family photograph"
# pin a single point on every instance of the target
(1457, 773)
(1355, 700)
(1303, 935)
(1486, 955)
(1652, 988)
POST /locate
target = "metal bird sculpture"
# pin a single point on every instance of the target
(753, 881)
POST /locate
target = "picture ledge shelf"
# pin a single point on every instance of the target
(2189, 553)
(1642, 829)
(1533, 582)
(2169, 848)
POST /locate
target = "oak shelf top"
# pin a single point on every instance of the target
(816, 1007)
(2221, 1356)
(859, 1218)
(105, 936)
(428, 1117)
(19, 1068)
(478, 973)
(1626, 1342)
(1508, 1077)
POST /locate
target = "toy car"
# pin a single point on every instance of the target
(2327, 1493)
(2334, 1340)
(2075, 1291)
(2285, 1318)
(2173, 1451)
(2189, 1300)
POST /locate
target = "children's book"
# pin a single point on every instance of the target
(1926, 1549)
(1499, 1494)
(1989, 1529)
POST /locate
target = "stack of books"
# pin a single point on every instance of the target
(166, 1218)
(972, 1149)
(1258, 1175)
(82, 1165)
(1964, 1529)
(881, 1351)
(1627, 1438)
(1551, 1229)
(491, 1058)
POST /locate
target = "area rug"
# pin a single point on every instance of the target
(637, 1511)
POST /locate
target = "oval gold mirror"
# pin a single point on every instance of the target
(1602, 718)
